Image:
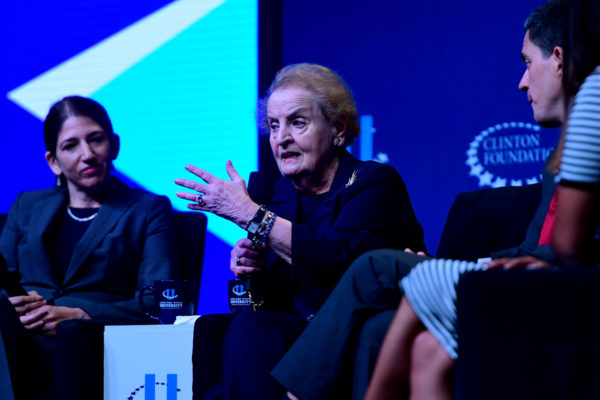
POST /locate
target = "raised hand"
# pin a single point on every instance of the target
(228, 199)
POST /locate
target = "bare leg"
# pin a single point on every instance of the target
(391, 376)
(430, 370)
(291, 396)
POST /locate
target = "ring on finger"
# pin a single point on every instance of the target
(238, 261)
(199, 199)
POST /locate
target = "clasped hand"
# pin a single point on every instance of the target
(35, 313)
(245, 259)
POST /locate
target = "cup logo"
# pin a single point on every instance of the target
(169, 294)
(171, 298)
(238, 290)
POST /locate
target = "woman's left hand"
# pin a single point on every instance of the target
(516, 262)
(46, 318)
(245, 259)
(227, 199)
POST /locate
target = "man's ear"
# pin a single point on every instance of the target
(557, 54)
(115, 145)
(53, 163)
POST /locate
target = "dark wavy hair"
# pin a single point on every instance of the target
(332, 95)
(581, 55)
(74, 106)
(582, 51)
(546, 26)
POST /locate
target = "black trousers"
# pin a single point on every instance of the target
(27, 358)
(335, 355)
(79, 361)
(234, 354)
(67, 366)
(369, 343)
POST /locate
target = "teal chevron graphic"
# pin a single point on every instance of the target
(180, 87)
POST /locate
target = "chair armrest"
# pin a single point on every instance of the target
(529, 334)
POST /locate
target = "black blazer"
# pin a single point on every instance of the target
(370, 211)
(129, 244)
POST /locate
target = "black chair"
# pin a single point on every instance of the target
(521, 334)
(483, 221)
(191, 235)
(529, 334)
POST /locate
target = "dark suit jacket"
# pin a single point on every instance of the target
(372, 212)
(529, 246)
(129, 244)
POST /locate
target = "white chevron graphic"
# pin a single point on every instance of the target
(82, 74)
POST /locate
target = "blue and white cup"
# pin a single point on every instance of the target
(171, 298)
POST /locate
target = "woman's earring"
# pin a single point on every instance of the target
(337, 142)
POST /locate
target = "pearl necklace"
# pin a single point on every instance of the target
(76, 218)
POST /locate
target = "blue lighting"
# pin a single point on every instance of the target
(192, 101)
(179, 80)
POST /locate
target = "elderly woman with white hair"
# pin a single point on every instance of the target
(327, 209)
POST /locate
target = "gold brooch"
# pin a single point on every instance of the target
(353, 178)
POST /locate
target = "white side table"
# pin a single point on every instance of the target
(148, 362)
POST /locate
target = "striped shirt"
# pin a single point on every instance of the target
(581, 155)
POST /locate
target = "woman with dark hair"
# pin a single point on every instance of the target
(327, 209)
(575, 238)
(81, 250)
(576, 227)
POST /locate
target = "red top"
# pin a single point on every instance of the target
(546, 233)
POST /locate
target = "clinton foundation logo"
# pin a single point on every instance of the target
(508, 154)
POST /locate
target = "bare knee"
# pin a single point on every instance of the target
(431, 368)
(428, 353)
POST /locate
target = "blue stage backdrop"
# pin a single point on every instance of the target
(435, 83)
(178, 78)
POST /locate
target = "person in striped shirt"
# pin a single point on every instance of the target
(335, 354)
(430, 288)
